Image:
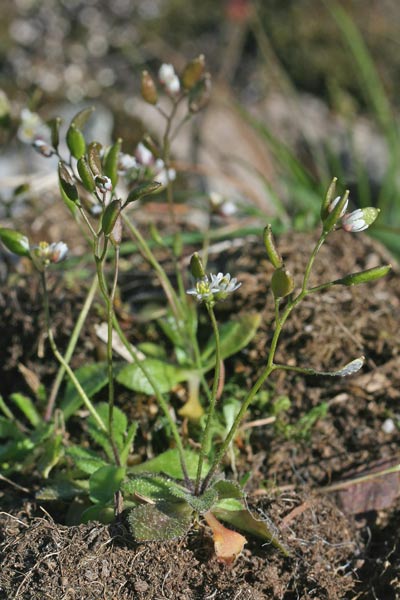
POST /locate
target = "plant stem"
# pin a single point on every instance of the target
(63, 362)
(70, 348)
(160, 399)
(205, 442)
(270, 366)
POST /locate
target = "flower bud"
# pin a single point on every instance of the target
(364, 276)
(282, 283)
(196, 267)
(193, 72)
(360, 219)
(67, 186)
(14, 241)
(200, 94)
(269, 244)
(337, 207)
(330, 194)
(148, 88)
(110, 216)
(103, 183)
(86, 175)
(54, 126)
(43, 148)
(76, 141)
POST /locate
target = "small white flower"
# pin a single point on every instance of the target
(160, 173)
(166, 73)
(169, 79)
(354, 221)
(31, 126)
(334, 203)
(126, 162)
(57, 251)
(143, 155)
(217, 289)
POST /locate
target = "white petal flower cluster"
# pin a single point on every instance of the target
(147, 166)
(210, 289)
(169, 79)
(43, 254)
(31, 127)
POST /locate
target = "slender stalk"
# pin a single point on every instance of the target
(70, 348)
(63, 362)
(205, 442)
(160, 399)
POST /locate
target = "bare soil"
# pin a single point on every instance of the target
(342, 536)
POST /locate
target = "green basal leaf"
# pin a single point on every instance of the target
(104, 482)
(169, 328)
(151, 487)
(120, 423)
(234, 336)
(86, 460)
(14, 241)
(165, 374)
(53, 452)
(26, 406)
(101, 512)
(228, 489)
(200, 504)
(163, 521)
(82, 117)
(92, 378)
(245, 521)
(152, 350)
(16, 450)
(127, 446)
(62, 490)
(168, 463)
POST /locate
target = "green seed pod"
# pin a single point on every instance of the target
(193, 72)
(81, 117)
(329, 196)
(364, 276)
(67, 185)
(54, 126)
(111, 162)
(270, 247)
(144, 189)
(86, 175)
(282, 283)
(196, 267)
(76, 142)
(110, 216)
(94, 159)
(14, 241)
(332, 218)
(200, 94)
(148, 88)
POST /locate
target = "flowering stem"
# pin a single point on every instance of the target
(205, 442)
(70, 348)
(64, 363)
(270, 366)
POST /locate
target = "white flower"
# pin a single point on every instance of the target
(43, 148)
(169, 79)
(334, 203)
(160, 173)
(57, 252)
(126, 162)
(217, 289)
(31, 126)
(143, 155)
(43, 254)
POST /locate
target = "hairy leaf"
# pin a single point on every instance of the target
(163, 521)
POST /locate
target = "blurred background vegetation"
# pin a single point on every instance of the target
(302, 91)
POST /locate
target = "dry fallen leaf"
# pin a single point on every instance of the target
(228, 544)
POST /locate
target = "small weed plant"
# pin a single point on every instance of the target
(169, 493)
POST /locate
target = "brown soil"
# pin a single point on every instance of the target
(343, 543)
